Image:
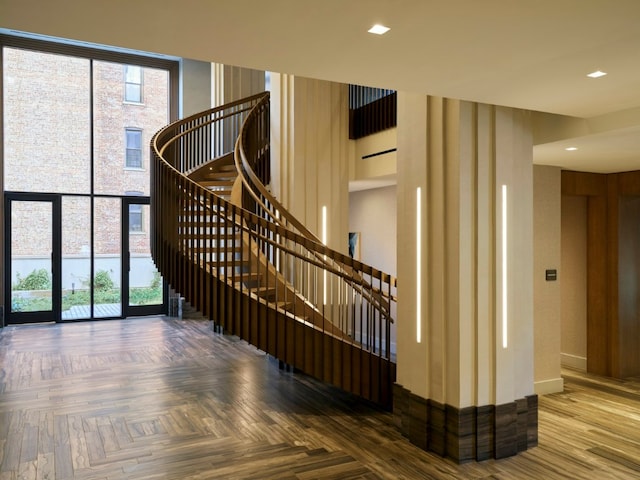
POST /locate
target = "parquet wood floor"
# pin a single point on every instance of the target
(159, 398)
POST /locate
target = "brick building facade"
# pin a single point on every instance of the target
(69, 119)
(48, 145)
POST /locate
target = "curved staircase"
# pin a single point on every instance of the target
(227, 245)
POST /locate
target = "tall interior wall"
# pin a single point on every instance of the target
(547, 287)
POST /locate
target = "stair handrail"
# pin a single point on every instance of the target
(211, 116)
(202, 244)
(280, 214)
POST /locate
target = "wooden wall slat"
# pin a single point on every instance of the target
(582, 183)
(598, 360)
(612, 296)
(347, 356)
(613, 269)
(325, 349)
(628, 361)
(309, 346)
(320, 360)
(336, 365)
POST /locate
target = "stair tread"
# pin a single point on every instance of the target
(216, 183)
(214, 249)
(221, 192)
(220, 174)
(264, 292)
(284, 305)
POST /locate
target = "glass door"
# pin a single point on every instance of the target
(144, 292)
(32, 223)
(70, 160)
(76, 258)
(107, 258)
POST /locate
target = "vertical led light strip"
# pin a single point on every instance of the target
(418, 264)
(504, 267)
(277, 243)
(324, 241)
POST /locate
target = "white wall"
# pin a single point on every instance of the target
(364, 166)
(195, 87)
(372, 213)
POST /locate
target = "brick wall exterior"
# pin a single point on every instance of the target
(48, 145)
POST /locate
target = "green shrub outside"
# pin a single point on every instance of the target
(103, 293)
(36, 280)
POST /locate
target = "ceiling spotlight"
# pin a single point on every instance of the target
(379, 29)
(571, 149)
(596, 74)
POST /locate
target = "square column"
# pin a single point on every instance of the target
(465, 295)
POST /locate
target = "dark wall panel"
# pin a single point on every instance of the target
(628, 332)
(613, 269)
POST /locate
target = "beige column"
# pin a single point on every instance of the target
(229, 83)
(465, 331)
(310, 153)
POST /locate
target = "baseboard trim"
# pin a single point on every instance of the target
(573, 361)
(544, 387)
(467, 434)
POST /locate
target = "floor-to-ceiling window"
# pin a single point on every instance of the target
(77, 123)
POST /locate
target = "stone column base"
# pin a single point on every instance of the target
(466, 434)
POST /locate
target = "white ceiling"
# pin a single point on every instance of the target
(531, 54)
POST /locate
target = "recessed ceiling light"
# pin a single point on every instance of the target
(571, 149)
(596, 74)
(379, 29)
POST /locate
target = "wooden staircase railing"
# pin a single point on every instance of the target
(241, 259)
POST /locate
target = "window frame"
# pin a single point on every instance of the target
(137, 212)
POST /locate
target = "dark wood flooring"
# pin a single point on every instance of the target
(158, 398)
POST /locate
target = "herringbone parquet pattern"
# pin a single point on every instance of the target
(158, 398)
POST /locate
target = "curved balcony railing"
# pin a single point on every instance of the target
(246, 263)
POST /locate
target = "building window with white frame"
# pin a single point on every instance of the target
(133, 155)
(135, 218)
(132, 84)
(135, 213)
